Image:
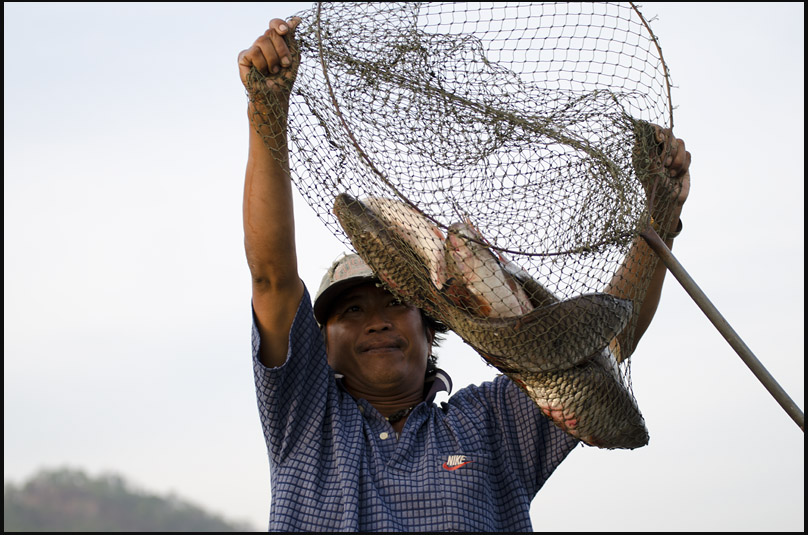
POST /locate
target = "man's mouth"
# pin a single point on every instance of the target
(381, 346)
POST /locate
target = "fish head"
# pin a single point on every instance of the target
(402, 223)
(366, 231)
(398, 260)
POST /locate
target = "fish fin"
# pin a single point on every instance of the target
(557, 336)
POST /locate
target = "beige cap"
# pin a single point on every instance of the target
(347, 271)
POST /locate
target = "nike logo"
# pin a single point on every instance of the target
(455, 461)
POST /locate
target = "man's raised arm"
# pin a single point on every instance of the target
(269, 226)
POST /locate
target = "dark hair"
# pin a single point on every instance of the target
(439, 330)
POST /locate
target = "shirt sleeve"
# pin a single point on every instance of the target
(531, 444)
(293, 398)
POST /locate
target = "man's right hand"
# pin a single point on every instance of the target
(275, 55)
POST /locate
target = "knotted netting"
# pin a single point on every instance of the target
(494, 163)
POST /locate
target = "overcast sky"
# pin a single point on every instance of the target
(127, 293)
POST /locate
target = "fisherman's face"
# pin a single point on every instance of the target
(377, 342)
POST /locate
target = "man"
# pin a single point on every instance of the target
(346, 388)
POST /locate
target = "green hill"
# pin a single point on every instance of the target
(68, 500)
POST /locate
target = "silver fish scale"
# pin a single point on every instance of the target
(589, 403)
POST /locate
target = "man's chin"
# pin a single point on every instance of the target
(387, 376)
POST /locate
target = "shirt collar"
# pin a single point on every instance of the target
(439, 381)
(436, 382)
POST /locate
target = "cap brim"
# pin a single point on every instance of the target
(322, 304)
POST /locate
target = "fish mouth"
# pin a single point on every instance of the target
(361, 225)
(347, 205)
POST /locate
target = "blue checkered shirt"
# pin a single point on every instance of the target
(472, 464)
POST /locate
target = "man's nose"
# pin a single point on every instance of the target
(379, 320)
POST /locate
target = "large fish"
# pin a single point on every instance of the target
(553, 337)
(399, 245)
(558, 336)
(588, 401)
(490, 290)
(416, 230)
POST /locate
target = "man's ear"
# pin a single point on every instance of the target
(430, 337)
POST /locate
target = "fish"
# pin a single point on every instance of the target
(528, 292)
(471, 265)
(553, 337)
(425, 238)
(587, 401)
(399, 245)
(537, 294)
(558, 336)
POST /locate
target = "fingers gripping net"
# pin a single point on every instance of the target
(494, 164)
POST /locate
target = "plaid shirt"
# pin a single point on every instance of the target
(472, 464)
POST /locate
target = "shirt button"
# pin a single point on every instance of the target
(383, 435)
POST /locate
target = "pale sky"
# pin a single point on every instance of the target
(127, 293)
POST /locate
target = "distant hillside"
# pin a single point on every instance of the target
(68, 500)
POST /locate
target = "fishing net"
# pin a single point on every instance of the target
(494, 164)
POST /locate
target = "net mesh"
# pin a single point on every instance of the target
(494, 164)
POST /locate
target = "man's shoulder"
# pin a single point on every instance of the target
(484, 393)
